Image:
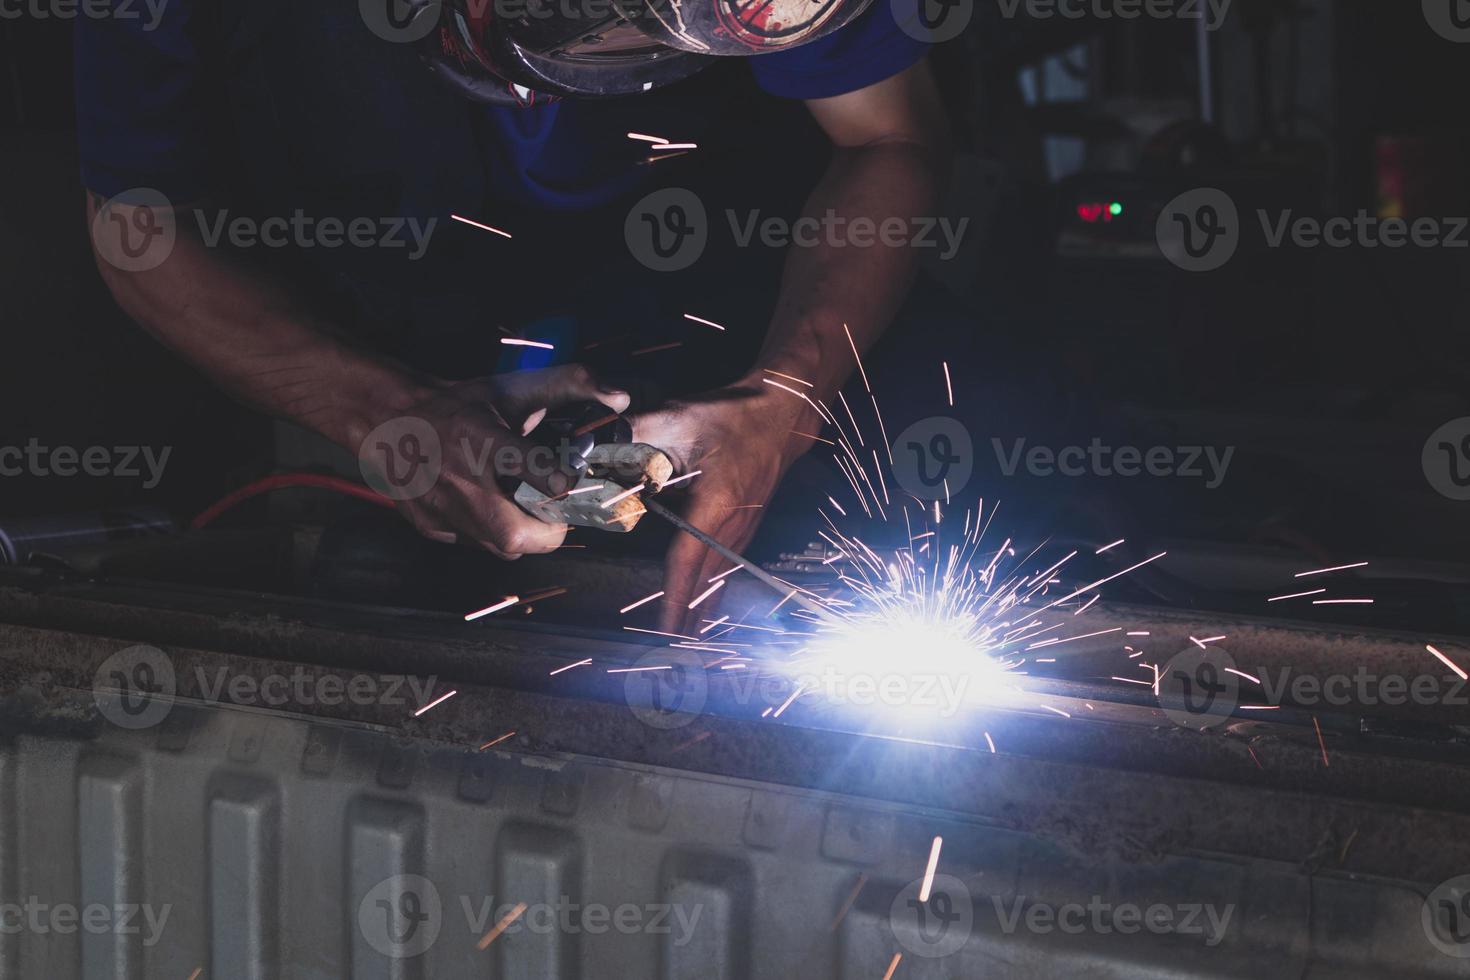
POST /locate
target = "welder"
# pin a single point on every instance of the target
(419, 109)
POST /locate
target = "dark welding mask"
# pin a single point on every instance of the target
(524, 52)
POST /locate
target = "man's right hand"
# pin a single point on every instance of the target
(482, 427)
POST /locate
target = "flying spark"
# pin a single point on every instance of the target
(635, 605)
(700, 319)
(579, 663)
(434, 703)
(501, 926)
(1296, 595)
(623, 496)
(497, 741)
(1104, 581)
(783, 602)
(856, 357)
(505, 603)
(1082, 636)
(543, 594)
(707, 593)
(677, 636)
(787, 703)
(1448, 663)
(862, 880)
(928, 885)
(655, 348)
(688, 742)
(476, 224)
(789, 377)
(1335, 568)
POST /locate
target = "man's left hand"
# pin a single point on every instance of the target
(742, 439)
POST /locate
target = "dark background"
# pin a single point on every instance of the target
(1327, 369)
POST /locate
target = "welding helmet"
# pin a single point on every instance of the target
(523, 52)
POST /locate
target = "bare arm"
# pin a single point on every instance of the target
(891, 157)
(259, 341)
(251, 336)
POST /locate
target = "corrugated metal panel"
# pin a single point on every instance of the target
(274, 847)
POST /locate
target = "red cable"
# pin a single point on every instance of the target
(281, 481)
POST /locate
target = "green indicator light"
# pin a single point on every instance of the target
(1115, 209)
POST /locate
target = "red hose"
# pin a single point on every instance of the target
(282, 481)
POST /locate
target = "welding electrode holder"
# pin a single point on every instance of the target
(572, 431)
(612, 465)
(597, 443)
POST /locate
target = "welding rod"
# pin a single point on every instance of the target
(761, 575)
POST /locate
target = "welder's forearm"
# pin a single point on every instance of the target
(258, 342)
(835, 281)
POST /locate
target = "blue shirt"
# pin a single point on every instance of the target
(152, 103)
